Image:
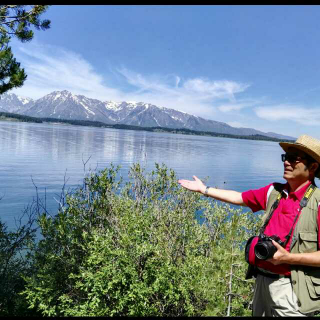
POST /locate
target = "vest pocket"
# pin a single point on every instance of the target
(308, 242)
(313, 285)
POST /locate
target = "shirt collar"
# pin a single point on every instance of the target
(297, 194)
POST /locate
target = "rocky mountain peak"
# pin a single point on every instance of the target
(10, 102)
(65, 105)
(58, 95)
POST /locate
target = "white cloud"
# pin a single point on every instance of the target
(215, 89)
(231, 107)
(51, 68)
(237, 106)
(299, 114)
(195, 96)
(198, 88)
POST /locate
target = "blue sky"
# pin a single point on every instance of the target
(248, 66)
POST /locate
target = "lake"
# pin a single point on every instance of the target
(44, 155)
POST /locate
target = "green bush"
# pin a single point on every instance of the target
(15, 263)
(139, 249)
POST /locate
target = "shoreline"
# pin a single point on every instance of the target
(12, 117)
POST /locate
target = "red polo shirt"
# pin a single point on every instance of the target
(280, 222)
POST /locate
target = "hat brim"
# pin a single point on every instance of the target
(286, 145)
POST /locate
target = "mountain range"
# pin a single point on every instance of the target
(65, 105)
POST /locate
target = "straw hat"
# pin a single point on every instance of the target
(309, 145)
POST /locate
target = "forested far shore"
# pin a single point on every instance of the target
(6, 116)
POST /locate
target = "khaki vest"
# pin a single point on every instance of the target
(305, 280)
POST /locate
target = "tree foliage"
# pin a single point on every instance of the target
(15, 264)
(17, 21)
(11, 74)
(145, 248)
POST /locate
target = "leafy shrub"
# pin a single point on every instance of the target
(14, 264)
(139, 249)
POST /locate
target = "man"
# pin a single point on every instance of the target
(287, 283)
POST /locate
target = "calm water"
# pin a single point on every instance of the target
(49, 153)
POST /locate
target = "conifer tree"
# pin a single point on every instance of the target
(17, 21)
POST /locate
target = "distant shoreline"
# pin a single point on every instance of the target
(6, 116)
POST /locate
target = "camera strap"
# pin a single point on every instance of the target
(303, 203)
(274, 207)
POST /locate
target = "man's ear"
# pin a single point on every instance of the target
(314, 166)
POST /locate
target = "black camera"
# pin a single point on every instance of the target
(265, 249)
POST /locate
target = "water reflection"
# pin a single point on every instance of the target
(48, 152)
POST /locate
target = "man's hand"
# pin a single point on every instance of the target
(196, 185)
(281, 255)
(229, 196)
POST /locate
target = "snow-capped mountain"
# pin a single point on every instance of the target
(10, 102)
(65, 105)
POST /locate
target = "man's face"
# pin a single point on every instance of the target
(296, 170)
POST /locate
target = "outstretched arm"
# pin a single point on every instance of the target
(229, 196)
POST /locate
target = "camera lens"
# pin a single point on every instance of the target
(261, 251)
(264, 250)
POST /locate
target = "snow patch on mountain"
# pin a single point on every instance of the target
(86, 107)
(176, 118)
(112, 105)
(57, 96)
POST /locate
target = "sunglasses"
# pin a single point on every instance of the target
(291, 158)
